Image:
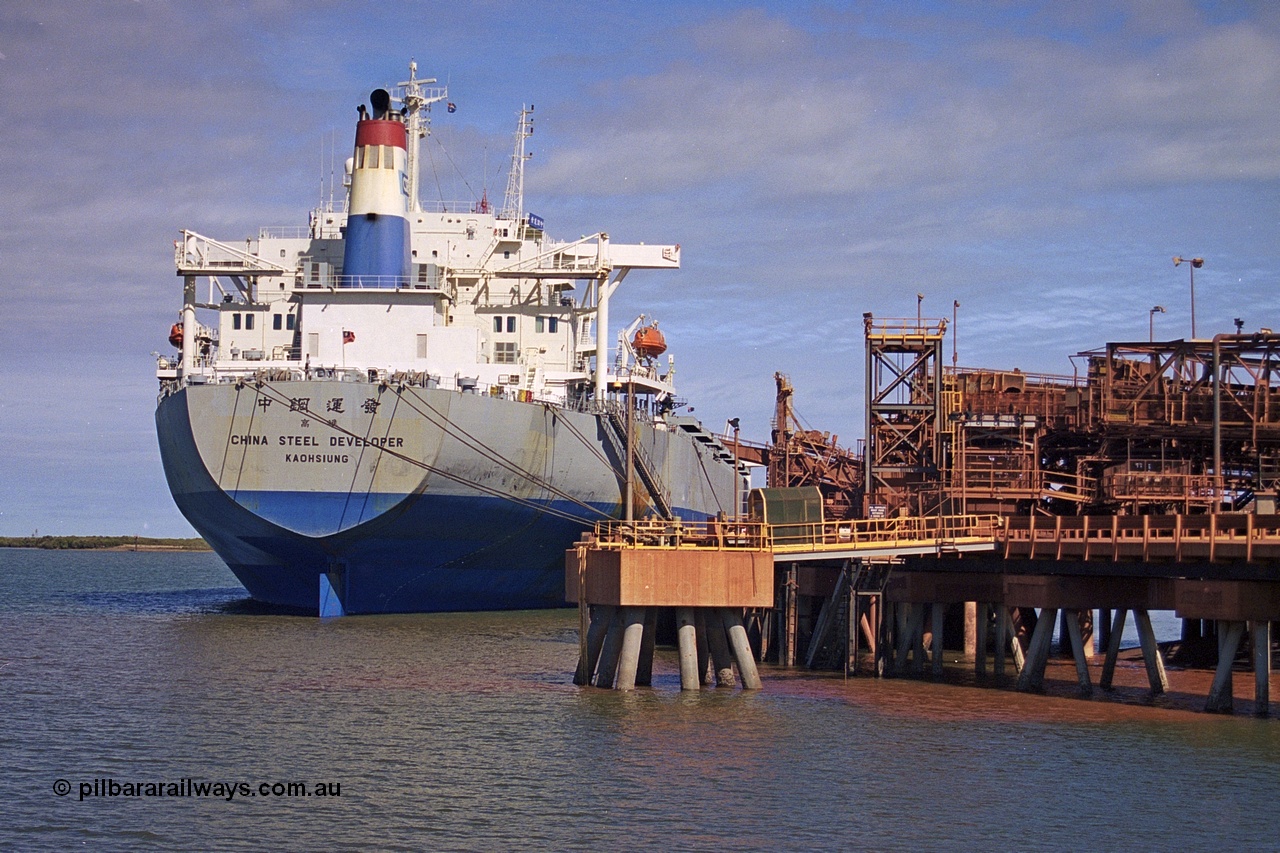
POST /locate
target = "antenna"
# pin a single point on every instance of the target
(513, 201)
(416, 99)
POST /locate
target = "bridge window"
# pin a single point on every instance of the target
(235, 321)
(289, 321)
(497, 324)
(248, 321)
(277, 322)
(553, 324)
(511, 324)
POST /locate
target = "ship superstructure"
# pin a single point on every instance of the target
(418, 405)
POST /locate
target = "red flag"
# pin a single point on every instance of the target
(348, 337)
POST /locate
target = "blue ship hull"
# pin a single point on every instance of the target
(435, 548)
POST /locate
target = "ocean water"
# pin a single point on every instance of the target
(153, 672)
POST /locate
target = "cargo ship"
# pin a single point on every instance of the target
(408, 407)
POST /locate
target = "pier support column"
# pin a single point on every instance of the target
(704, 651)
(939, 619)
(981, 611)
(917, 639)
(1113, 650)
(1002, 637)
(1015, 643)
(601, 618)
(687, 641)
(607, 669)
(972, 619)
(1261, 633)
(1151, 656)
(644, 670)
(1078, 651)
(632, 638)
(741, 649)
(718, 645)
(1032, 676)
(1221, 697)
(910, 631)
(788, 626)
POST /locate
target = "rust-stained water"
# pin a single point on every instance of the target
(464, 732)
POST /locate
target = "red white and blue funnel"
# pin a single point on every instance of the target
(377, 237)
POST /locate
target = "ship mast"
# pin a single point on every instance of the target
(513, 201)
(417, 99)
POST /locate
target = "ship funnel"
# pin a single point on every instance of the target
(381, 101)
(376, 251)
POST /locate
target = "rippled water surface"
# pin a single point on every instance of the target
(464, 732)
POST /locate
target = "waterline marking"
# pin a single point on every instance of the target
(188, 787)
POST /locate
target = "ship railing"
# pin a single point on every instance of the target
(284, 232)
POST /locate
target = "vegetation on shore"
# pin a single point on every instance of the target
(101, 543)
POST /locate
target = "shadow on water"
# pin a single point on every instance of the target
(222, 600)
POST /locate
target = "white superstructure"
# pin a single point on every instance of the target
(491, 303)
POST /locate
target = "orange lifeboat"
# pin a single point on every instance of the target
(175, 335)
(649, 342)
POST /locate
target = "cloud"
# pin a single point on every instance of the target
(796, 113)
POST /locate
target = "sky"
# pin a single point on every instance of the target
(1039, 163)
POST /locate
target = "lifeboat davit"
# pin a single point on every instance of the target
(175, 335)
(649, 342)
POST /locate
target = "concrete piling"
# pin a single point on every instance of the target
(1221, 697)
(1078, 652)
(1151, 656)
(601, 617)
(607, 669)
(687, 642)
(935, 650)
(704, 651)
(1032, 675)
(1113, 649)
(644, 669)
(718, 644)
(633, 619)
(1261, 633)
(741, 649)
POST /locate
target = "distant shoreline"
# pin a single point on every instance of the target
(103, 543)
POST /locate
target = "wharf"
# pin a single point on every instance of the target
(891, 582)
(990, 506)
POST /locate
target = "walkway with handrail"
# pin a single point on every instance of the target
(798, 542)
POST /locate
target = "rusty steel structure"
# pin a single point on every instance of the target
(1183, 426)
(797, 456)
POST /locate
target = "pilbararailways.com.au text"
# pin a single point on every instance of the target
(196, 788)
